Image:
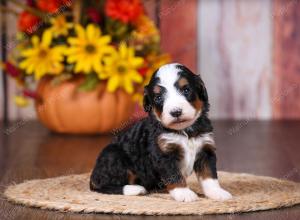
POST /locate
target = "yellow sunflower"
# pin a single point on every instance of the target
(60, 26)
(41, 58)
(121, 69)
(88, 49)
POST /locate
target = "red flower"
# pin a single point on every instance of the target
(52, 6)
(94, 15)
(30, 3)
(28, 22)
(11, 69)
(66, 2)
(29, 93)
(124, 10)
(143, 71)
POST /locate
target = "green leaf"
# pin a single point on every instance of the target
(90, 83)
(118, 30)
(61, 78)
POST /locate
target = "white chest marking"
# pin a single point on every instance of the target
(191, 147)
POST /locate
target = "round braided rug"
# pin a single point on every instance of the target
(72, 194)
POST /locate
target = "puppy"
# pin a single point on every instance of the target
(162, 150)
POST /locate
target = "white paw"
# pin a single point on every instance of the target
(218, 194)
(183, 195)
(213, 190)
(134, 190)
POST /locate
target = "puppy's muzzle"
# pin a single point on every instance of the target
(176, 113)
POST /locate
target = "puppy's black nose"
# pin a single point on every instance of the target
(176, 113)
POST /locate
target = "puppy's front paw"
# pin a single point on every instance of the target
(218, 194)
(213, 190)
(183, 195)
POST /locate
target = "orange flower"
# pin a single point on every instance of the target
(28, 22)
(145, 26)
(154, 62)
(124, 10)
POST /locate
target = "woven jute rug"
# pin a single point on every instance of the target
(72, 194)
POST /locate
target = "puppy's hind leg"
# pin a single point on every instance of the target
(112, 175)
(109, 174)
(131, 189)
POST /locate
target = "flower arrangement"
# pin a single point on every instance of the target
(111, 41)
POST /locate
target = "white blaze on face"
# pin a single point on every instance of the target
(173, 100)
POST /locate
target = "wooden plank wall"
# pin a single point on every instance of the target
(13, 111)
(235, 43)
(286, 90)
(1, 74)
(246, 51)
(179, 30)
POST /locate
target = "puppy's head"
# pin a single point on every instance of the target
(176, 96)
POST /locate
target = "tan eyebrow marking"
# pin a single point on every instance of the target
(182, 82)
(157, 89)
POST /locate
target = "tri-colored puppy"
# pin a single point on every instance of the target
(162, 150)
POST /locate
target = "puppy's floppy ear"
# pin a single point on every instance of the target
(201, 89)
(146, 101)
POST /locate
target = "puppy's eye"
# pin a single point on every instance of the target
(186, 90)
(158, 98)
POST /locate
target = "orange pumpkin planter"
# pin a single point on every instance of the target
(63, 108)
